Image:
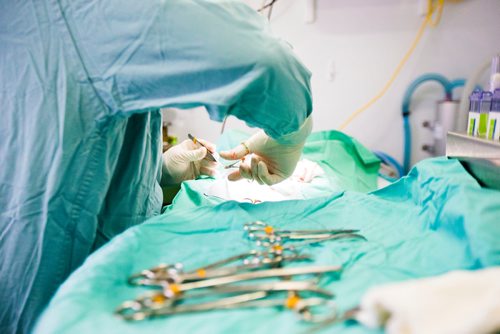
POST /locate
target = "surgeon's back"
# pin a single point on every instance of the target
(80, 91)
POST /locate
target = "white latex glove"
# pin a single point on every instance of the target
(272, 160)
(186, 161)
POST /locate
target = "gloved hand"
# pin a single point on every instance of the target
(186, 161)
(273, 160)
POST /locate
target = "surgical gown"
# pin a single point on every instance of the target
(80, 91)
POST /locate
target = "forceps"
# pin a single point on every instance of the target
(174, 289)
(276, 241)
(268, 236)
(165, 273)
(261, 230)
(210, 156)
(160, 305)
(276, 246)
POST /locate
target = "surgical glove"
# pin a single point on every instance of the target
(187, 161)
(271, 160)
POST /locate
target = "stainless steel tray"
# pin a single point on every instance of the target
(481, 157)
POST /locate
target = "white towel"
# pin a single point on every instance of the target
(251, 191)
(460, 302)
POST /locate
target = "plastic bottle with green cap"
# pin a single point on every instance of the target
(484, 111)
(474, 108)
(494, 117)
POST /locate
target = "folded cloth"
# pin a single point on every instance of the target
(457, 302)
(306, 170)
(249, 191)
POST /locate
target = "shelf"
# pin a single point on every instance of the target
(481, 157)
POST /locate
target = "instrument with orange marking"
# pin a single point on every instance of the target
(267, 236)
(212, 156)
(165, 274)
(177, 301)
(217, 286)
(257, 229)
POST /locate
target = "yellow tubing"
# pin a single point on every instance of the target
(427, 21)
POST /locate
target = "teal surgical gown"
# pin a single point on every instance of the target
(81, 85)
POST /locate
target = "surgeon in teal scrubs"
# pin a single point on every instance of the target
(80, 91)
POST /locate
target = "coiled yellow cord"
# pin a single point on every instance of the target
(428, 21)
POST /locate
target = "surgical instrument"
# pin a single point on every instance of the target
(159, 305)
(158, 299)
(233, 165)
(210, 154)
(172, 289)
(276, 243)
(174, 273)
(261, 231)
(213, 156)
(141, 309)
(293, 236)
(259, 226)
(131, 310)
(278, 247)
(303, 285)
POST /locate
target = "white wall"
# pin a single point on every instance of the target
(365, 39)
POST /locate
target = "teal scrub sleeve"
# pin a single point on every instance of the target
(186, 53)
